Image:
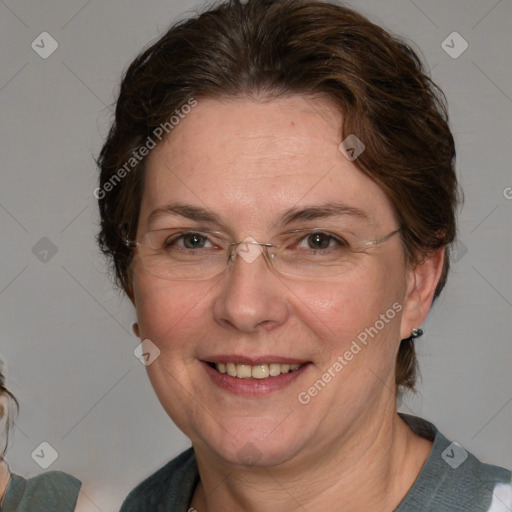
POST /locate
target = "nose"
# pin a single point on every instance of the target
(252, 297)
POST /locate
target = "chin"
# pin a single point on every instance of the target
(251, 445)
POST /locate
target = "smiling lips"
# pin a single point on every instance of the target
(254, 376)
(260, 371)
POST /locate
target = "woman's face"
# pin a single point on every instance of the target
(259, 169)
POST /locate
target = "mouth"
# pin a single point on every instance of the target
(259, 371)
(254, 377)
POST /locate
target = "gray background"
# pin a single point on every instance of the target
(66, 333)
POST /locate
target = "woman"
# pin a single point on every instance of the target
(54, 490)
(277, 195)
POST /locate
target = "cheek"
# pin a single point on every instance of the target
(358, 320)
(348, 306)
(168, 311)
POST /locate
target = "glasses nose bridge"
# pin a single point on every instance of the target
(246, 255)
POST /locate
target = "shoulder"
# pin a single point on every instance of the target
(453, 479)
(53, 490)
(53, 480)
(169, 488)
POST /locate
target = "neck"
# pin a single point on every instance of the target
(371, 468)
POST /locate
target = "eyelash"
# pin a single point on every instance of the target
(340, 242)
(172, 241)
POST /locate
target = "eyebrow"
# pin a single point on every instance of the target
(187, 211)
(321, 212)
(295, 214)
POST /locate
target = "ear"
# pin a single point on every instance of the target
(135, 329)
(421, 285)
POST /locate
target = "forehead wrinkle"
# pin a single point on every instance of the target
(292, 146)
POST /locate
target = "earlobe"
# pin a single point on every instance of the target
(421, 286)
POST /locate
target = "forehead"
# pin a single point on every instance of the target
(258, 159)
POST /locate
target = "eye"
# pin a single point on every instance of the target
(194, 240)
(319, 240)
(188, 241)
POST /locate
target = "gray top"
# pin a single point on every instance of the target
(53, 491)
(451, 480)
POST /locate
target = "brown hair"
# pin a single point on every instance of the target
(3, 412)
(271, 48)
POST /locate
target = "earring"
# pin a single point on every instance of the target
(416, 333)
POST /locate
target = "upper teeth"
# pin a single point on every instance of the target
(260, 371)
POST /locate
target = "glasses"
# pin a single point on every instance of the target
(188, 254)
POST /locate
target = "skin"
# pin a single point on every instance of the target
(4, 471)
(248, 161)
(4, 478)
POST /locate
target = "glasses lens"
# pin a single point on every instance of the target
(318, 253)
(182, 255)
